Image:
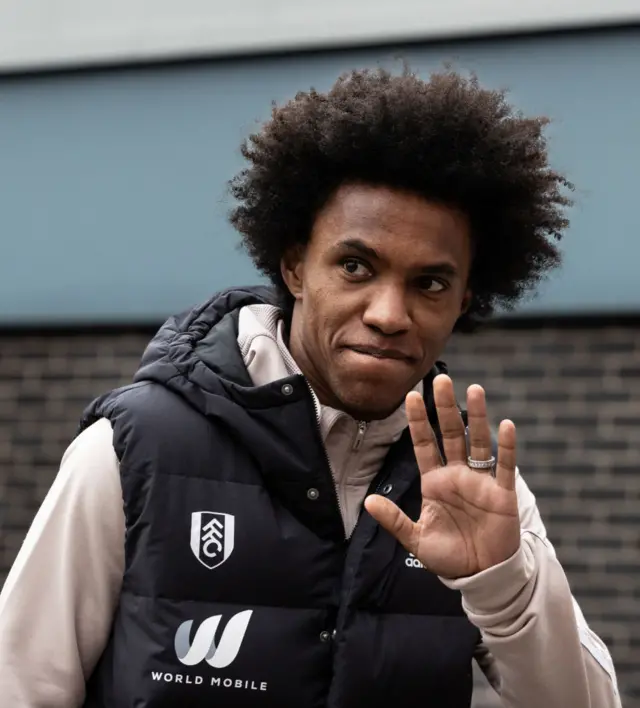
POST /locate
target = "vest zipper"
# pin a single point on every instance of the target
(326, 456)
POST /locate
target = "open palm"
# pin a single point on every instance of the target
(469, 518)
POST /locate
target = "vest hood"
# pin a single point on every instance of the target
(196, 353)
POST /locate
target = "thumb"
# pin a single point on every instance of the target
(392, 519)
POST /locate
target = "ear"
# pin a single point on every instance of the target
(292, 270)
(466, 301)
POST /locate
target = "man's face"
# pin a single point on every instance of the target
(378, 290)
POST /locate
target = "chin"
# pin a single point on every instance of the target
(370, 405)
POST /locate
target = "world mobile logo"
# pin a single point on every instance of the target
(218, 655)
(216, 681)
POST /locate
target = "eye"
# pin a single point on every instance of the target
(431, 285)
(355, 267)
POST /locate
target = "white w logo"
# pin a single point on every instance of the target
(204, 645)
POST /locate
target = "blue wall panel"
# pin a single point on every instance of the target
(113, 184)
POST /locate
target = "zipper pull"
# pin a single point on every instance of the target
(362, 429)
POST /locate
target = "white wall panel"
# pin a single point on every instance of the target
(57, 33)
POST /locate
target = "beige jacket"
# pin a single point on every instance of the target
(57, 604)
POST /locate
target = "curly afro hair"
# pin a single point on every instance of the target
(445, 139)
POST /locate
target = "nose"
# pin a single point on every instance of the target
(387, 311)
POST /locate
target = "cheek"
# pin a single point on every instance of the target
(316, 312)
(329, 308)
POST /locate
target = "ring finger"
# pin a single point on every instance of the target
(479, 429)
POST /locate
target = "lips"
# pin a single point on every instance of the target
(381, 353)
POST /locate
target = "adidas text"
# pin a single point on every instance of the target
(412, 562)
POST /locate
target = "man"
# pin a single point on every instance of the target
(205, 542)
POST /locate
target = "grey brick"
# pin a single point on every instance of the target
(524, 372)
(625, 519)
(581, 372)
(553, 348)
(576, 421)
(549, 492)
(632, 421)
(599, 494)
(558, 395)
(578, 468)
(614, 347)
(600, 397)
(572, 518)
(591, 443)
(545, 445)
(623, 469)
(624, 568)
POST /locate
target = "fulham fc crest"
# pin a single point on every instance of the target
(212, 537)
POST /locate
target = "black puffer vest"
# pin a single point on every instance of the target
(240, 588)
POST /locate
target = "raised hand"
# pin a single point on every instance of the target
(469, 518)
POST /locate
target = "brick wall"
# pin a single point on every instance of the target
(574, 393)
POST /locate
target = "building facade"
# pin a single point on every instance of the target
(118, 133)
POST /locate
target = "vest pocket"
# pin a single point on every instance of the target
(409, 661)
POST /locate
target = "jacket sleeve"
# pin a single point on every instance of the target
(57, 604)
(537, 648)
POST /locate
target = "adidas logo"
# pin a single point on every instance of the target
(412, 562)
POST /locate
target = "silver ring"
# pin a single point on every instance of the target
(482, 464)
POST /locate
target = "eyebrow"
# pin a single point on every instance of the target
(355, 244)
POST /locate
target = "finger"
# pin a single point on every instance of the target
(479, 430)
(392, 519)
(424, 441)
(449, 419)
(506, 467)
